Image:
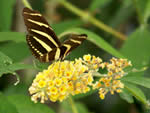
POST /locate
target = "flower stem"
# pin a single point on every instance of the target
(93, 20)
(97, 74)
(71, 102)
(26, 4)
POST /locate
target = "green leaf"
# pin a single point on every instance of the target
(6, 106)
(126, 95)
(6, 11)
(19, 66)
(4, 59)
(98, 3)
(6, 68)
(147, 11)
(137, 47)
(81, 108)
(11, 68)
(13, 45)
(21, 88)
(39, 65)
(127, 2)
(62, 26)
(16, 51)
(66, 106)
(143, 81)
(136, 92)
(121, 15)
(141, 9)
(13, 36)
(25, 105)
(38, 5)
(95, 39)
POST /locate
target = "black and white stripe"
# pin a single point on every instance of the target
(43, 41)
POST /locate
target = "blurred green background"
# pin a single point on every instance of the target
(130, 17)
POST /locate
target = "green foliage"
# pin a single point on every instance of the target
(136, 47)
(142, 7)
(137, 92)
(8, 67)
(147, 11)
(6, 106)
(24, 105)
(12, 36)
(6, 15)
(95, 39)
(66, 106)
(5, 69)
(143, 81)
(5, 59)
(124, 12)
(66, 25)
(39, 65)
(21, 47)
(126, 95)
(96, 4)
(14, 41)
(21, 104)
(37, 5)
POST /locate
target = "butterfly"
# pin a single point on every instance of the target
(42, 40)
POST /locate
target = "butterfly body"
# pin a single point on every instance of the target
(42, 40)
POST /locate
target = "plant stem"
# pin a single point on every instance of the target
(106, 28)
(93, 20)
(26, 4)
(71, 102)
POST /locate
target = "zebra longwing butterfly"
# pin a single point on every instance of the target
(42, 40)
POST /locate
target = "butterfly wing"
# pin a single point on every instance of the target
(41, 38)
(52, 55)
(73, 42)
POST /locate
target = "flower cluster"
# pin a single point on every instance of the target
(60, 80)
(111, 81)
(64, 78)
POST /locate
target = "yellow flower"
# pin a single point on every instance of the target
(118, 90)
(68, 74)
(62, 89)
(90, 79)
(77, 91)
(65, 78)
(87, 57)
(110, 73)
(39, 76)
(78, 84)
(42, 84)
(53, 97)
(86, 89)
(58, 81)
(51, 83)
(112, 92)
(102, 96)
(53, 90)
(62, 97)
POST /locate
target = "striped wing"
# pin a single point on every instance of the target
(73, 42)
(66, 47)
(41, 37)
(42, 40)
